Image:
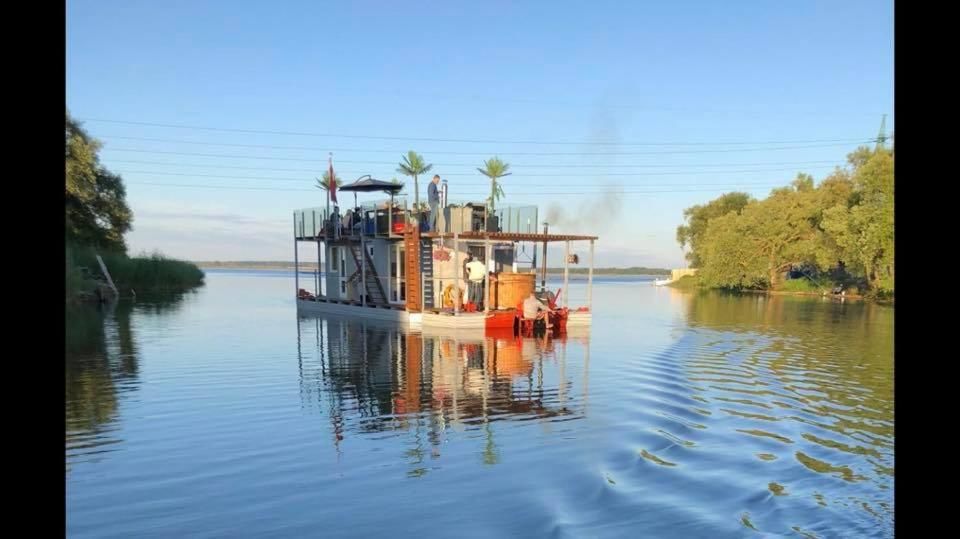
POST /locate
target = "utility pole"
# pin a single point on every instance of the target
(882, 137)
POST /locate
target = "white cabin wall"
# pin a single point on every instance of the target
(333, 277)
(381, 264)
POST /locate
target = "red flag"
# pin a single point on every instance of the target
(332, 188)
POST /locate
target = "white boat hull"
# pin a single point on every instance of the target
(377, 313)
(469, 321)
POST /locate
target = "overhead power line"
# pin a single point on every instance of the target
(430, 152)
(459, 140)
(580, 175)
(399, 151)
(307, 160)
(315, 170)
(537, 193)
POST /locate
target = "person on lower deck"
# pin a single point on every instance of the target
(534, 309)
(477, 271)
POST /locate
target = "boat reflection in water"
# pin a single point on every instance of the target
(372, 377)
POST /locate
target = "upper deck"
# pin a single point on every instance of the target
(389, 219)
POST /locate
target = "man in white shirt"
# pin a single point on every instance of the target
(476, 271)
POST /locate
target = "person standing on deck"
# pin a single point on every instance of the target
(477, 272)
(433, 197)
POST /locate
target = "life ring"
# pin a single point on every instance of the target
(449, 294)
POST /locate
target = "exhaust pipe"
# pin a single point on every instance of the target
(543, 272)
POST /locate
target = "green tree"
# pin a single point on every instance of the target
(843, 225)
(413, 165)
(494, 168)
(752, 248)
(697, 218)
(835, 190)
(726, 261)
(862, 229)
(96, 209)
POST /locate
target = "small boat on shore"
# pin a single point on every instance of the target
(661, 282)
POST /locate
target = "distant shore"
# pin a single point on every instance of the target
(311, 266)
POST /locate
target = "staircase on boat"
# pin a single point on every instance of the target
(411, 244)
(372, 286)
(426, 268)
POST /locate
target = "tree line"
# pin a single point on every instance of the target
(96, 220)
(838, 231)
(97, 214)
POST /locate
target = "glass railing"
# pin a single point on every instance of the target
(517, 219)
(386, 218)
(468, 215)
(382, 218)
(308, 222)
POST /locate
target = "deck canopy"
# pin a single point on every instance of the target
(367, 184)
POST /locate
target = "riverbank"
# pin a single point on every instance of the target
(794, 287)
(131, 275)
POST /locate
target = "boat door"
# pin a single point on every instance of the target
(338, 270)
(398, 280)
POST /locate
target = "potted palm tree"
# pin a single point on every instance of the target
(494, 168)
(324, 181)
(413, 165)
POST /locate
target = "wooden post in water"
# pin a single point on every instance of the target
(103, 268)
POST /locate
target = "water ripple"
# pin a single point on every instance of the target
(702, 415)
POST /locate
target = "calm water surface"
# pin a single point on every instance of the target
(223, 414)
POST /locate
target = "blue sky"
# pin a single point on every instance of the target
(694, 98)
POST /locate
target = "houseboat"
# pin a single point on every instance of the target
(382, 260)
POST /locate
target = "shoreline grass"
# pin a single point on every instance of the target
(144, 273)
